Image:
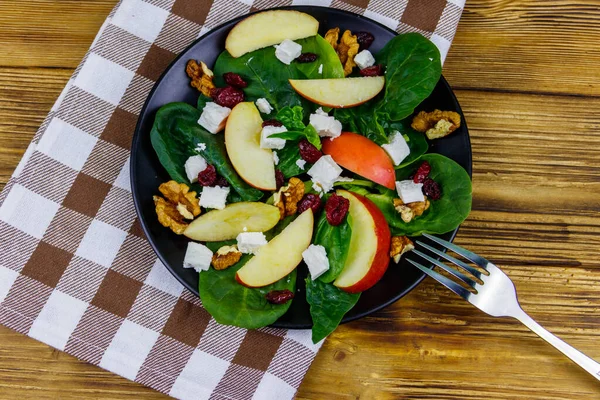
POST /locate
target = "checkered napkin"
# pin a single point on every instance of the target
(76, 271)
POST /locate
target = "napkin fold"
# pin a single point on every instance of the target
(76, 271)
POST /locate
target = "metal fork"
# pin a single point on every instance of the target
(496, 295)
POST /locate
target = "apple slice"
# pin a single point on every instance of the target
(368, 255)
(227, 223)
(339, 93)
(362, 156)
(269, 28)
(242, 140)
(280, 256)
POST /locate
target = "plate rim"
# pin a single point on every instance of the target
(137, 135)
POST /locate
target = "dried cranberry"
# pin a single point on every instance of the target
(336, 209)
(227, 96)
(308, 151)
(431, 189)
(279, 179)
(365, 39)
(375, 70)
(279, 296)
(214, 92)
(422, 172)
(220, 181)
(271, 122)
(307, 58)
(233, 79)
(208, 177)
(309, 200)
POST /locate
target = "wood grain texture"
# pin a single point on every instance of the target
(527, 78)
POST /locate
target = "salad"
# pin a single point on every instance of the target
(303, 151)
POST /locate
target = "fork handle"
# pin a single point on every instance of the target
(575, 355)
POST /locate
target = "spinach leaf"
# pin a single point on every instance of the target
(332, 67)
(175, 136)
(444, 214)
(413, 68)
(416, 141)
(364, 120)
(202, 100)
(328, 305)
(287, 159)
(336, 239)
(230, 303)
(309, 133)
(291, 117)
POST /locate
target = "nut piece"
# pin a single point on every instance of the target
(201, 76)
(400, 245)
(168, 216)
(225, 257)
(346, 48)
(411, 210)
(287, 198)
(436, 124)
(180, 193)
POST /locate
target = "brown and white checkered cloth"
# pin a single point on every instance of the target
(76, 271)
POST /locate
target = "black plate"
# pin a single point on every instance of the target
(147, 173)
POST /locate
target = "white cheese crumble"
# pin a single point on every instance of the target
(200, 147)
(198, 257)
(272, 143)
(264, 106)
(193, 166)
(301, 163)
(250, 242)
(409, 191)
(397, 149)
(213, 117)
(324, 173)
(316, 260)
(287, 51)
(364, 59)
(325, 125)
(214, 197)
(275, 158)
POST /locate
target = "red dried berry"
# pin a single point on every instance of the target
(432, 189)
(227, 96)
(222, 182)
(279, 179)
(365, 39)
(336, 209)
(308, 151)
(214, 92)
(375, 70)
(309, 200)
(208, 177)
(271, 122)
(233, 79)
(422, 172)
(307, 58)
(279, 296)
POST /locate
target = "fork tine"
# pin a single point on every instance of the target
(475, 272)
(448, 269)
(455, 287)
(477, 259)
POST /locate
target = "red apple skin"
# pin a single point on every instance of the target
(362, 156)
(381, 261)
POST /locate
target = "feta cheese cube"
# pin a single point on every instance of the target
(272, 143)
(397, 149)
(213, 117)
(264, 106)
(409, 191)
(316, 260)
(198, 257)
(214, 197)
(364, 59)
(193, 166)
(301, 163)
(287, 51)
(275, 158)
(324, 173)
(325, 125)
(250, 242)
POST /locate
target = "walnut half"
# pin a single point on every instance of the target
(287, 198)
(346, 48)
(411, 210)
(436, 124)
(201, 76)
(178, 206)
(225, 257)
(400, 245)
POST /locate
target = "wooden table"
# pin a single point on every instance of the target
(528, 78)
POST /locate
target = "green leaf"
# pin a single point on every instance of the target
(202, 100)
(287, 159)
(308, 133)
(336, 239)
(328, 305)
(417, 143)
(364, 120)
(444, 214)
(175, 137)
(291, 118)
(332, 67)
